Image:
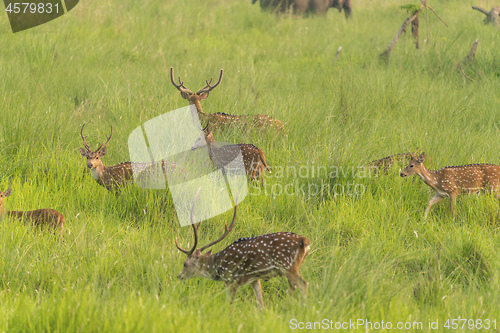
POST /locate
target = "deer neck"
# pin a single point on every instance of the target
(211, 146)
(210, 267)
(99, 171)
(429, 177)
(213, 153)
(2, 210)
(202, 115)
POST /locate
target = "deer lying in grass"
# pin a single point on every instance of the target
(260, 122)
(385, 164)
(454, 180)
(247, 260)
(42, 218)
(113, 178)
(253, 158)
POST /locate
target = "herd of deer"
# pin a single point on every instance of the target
(247, 260)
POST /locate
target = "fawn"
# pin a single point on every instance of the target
(454, 180)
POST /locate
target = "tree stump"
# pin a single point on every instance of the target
(491, 16)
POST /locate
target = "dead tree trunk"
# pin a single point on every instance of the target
(414, 20)
(471, 56)
(491, 16)
(414, 30)
(391, 46)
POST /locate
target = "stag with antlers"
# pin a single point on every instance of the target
(248, 260)
(113, 178)
(225, 121)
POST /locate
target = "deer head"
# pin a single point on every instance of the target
(196, 262)
(194, 98)
(3, 195)
(414, 166)
(94, 157)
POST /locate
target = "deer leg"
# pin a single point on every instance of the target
(434, 199)
(258, 292)
(257, 172)
(254, 173)
(453, 202)
(292, 285)
(261, 174)
(231, 292)
(295, 280)
(303, 285)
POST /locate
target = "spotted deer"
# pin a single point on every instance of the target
(253, 158)
(384, 165)
(115, 177)
(247, 260)
(451, 181)
(41, 218)
(225, 121)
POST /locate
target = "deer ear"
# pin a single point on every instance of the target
(8, 192)
(83, 152)
(421, 158)
(203, 96)
(185, 95)
(103, 151)
(209, 253)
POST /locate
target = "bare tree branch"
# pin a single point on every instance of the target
(391, 46)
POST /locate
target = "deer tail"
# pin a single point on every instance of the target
(304, 247)
(282, 127)
(263, 160)
(304, 242)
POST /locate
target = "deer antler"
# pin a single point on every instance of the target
(208, 87)
(109, 138)
(83, 137)
(195, 228)
(225, 233)
(179, 86)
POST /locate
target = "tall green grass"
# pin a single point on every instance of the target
(372, 255)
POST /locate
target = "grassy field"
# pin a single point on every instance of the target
(372, 257)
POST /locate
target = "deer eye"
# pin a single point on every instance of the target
(411, 166)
